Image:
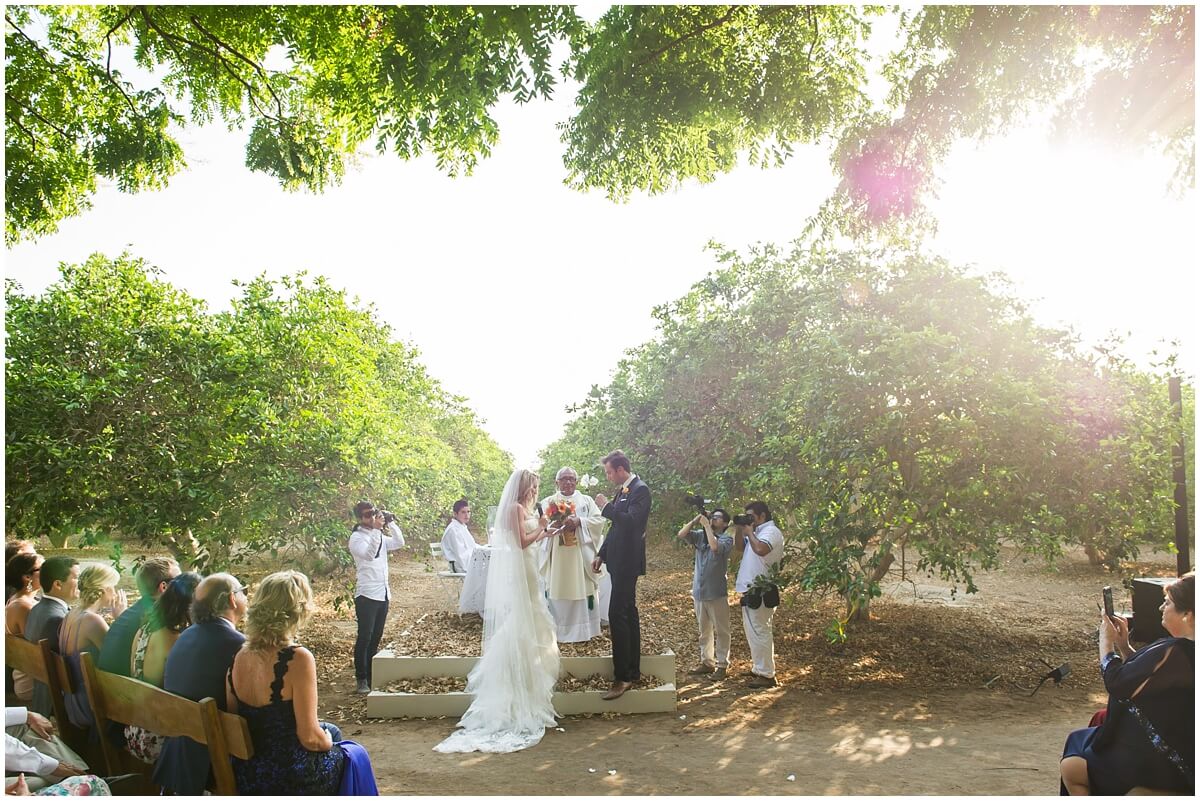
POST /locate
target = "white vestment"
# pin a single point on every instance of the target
(573, 590)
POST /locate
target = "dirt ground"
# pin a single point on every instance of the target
(931, 698)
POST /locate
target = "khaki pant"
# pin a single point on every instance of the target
(54, 747)
(761, 637)
(713, 619)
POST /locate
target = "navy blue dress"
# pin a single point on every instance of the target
(1149, 736)
(281, 765)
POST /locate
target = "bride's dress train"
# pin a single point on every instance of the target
(512, 684)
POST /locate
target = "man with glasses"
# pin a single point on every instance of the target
(710, 590)
(369, 546)
(196, 669)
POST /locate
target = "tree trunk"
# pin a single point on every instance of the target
(58, 539)
(860, 611)
(1092, 554)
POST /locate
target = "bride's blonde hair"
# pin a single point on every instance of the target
(528, 482)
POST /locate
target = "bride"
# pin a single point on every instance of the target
(512, 684)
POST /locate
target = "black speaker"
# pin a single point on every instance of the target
(1147, 598)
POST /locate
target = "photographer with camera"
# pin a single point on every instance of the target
(710, 587)
(759, 542)
(369, 546)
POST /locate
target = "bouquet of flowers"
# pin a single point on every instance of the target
(558, 511)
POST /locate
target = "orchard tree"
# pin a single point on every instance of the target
(883, 401)
(134, 412)
(666, 94)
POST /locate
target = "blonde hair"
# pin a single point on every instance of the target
(93, 581)
(282, 603)
(526, 483)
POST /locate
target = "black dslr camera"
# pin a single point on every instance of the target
(699, 502)
(743, 520)
(388, 517)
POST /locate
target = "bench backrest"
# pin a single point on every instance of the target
(22, 655)
(136, 703)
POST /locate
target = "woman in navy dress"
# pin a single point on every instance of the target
(1148, 738)
(273, 685)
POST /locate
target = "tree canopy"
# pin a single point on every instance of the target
(885, 400)
(132, 410)
(668, 93)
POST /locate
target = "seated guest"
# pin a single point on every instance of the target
(83, 631)
(60, 587)
(11, 549)
(1148, 738)
(30, 746)
(85, 784)
(195, 669)
(21, 572)
(170, 615)
(273, 685)
(152, 578)
(457, 542)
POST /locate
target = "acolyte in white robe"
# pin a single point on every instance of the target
(567, 572)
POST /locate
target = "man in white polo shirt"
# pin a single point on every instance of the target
(759, 547)
(369, 546)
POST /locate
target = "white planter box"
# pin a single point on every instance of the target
(427, 705)
(387, 667)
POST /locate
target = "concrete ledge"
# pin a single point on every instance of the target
(421, 705)
(386, 667)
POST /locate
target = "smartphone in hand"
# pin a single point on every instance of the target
(1108, 602)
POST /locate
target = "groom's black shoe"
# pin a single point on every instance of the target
(618, 689)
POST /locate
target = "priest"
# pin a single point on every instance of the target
(573, 589)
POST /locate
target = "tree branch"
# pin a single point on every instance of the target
(32, 137)
(215, 54)
(253, 64)
(41, 51)
(60, 131)
(691, 35)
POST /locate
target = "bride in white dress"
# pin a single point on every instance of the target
(512, 684)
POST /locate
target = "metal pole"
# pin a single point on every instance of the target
(1183, 560)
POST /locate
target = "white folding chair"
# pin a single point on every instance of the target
(451, 582)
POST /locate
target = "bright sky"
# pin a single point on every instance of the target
(461, 267)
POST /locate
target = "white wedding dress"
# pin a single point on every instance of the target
(512, 684)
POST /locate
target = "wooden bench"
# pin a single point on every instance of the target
(48, 668)
(136, 703)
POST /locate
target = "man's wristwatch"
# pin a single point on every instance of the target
(1108, 659)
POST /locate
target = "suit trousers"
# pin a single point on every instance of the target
(713, 618)
(371, 616)
(625, 628)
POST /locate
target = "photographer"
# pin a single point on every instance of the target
(369, 546)
(759, 542)
(710, 590)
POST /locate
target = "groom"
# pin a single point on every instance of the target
(624, 551)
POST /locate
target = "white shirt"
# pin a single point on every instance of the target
(21, 758)
(458, 545)
(754, 565)
(370, 548)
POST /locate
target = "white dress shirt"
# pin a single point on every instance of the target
(458, 545)
(754, 565)
(370, 548)
(21, 758)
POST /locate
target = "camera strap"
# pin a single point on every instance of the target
(379, 550)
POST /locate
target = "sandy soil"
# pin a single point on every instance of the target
(902, 708)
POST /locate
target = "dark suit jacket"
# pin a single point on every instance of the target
(117, 649)
(195, 669)
(43, 623)
(624, 549)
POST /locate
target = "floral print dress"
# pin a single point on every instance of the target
(143, 744)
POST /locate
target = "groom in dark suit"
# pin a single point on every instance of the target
(624, 551)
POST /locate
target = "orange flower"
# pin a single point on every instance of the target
(552, 510)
